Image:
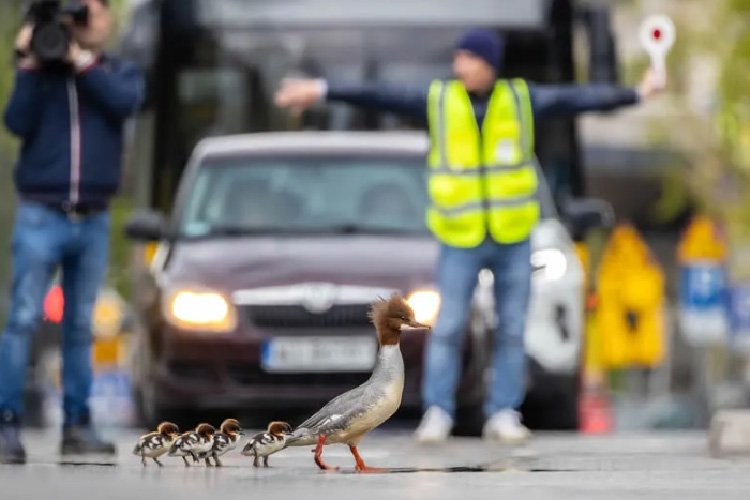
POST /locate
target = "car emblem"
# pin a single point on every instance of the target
(319, 298)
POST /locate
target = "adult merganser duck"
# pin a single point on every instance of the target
(267, 443)
(224, 441)
(193, 443)
(157, 443)
(348, 417)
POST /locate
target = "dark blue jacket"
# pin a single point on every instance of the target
(546, 100)
(71, 130)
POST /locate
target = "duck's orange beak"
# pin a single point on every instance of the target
(415, 325)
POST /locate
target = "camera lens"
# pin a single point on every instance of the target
(50, 42)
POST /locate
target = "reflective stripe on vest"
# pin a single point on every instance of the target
(481, 182)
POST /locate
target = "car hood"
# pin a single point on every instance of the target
(241, 263)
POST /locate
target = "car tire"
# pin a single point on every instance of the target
(469, 420)
(470, 403)
(555, 407)
(566, 411)
(151, 413)
(147, 412)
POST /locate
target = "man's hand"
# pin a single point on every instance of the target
(23, 39)
(78, 57)
(22, 47)
(650, 85)
(298, 94)
(74, 52)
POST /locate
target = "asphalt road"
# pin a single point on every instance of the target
(648, 466)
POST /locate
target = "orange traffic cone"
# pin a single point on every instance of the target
(595, 412)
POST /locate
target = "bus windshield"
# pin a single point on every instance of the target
(217, 63)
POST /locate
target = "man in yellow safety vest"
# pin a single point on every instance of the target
(482, 186)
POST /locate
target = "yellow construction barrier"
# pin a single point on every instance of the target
(107, 319)
(702, 241)
(629, 315)
(582, 251)
(149, 251)
(592, 371)
(702, 256)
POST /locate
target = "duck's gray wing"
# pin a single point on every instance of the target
(340, 406)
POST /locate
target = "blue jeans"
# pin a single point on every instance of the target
(457, 273)
(43, 240)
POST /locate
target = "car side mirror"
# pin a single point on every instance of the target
(582, 214)
(146, 226)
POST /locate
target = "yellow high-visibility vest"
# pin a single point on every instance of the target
(486, 182)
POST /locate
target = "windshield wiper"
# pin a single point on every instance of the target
(238, 231)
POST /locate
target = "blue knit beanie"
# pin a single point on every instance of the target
(483, 43)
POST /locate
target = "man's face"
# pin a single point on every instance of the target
(473, 71)
(94, 36)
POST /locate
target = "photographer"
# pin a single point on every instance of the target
(70, 119)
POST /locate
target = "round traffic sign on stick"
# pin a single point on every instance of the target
(657, 37)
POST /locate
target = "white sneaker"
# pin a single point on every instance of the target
(435, 427)
(506, 426)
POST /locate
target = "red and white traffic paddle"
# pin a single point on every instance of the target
(657, 37)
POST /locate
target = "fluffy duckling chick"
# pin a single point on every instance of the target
(267, 443)
(193, 443)
(224, 441)
(156, 444)
(348, 417)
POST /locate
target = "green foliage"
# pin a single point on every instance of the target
(9, 22)
(119, 255)
(717, 140)
(675, 196)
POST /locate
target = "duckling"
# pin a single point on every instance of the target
(224, 441)
(156, 444)
(348, 417)
(193, 443)
(183, 447)
(267, 443)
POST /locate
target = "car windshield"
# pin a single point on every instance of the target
(242, 195)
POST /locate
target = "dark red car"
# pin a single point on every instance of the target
(258, 293)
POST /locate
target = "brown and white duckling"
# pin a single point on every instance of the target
(193, 443)
(267, 443)
(156, 444)
(348, 417)
(224, 441)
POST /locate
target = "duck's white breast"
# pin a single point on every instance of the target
(377, 413)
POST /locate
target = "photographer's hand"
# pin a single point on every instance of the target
(23, 39)
(22, 45)
(81, 59)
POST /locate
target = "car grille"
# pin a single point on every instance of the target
(296, 316)
(252, 375)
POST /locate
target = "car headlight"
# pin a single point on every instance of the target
(549, 264)
(200, 310)
(425, 304)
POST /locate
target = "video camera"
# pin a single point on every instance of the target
(51, 37)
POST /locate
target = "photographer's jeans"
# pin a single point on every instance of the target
(44, 239)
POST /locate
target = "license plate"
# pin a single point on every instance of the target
(318, 354)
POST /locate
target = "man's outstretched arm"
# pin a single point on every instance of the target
(406, 102)
(567, 100)
(301, 94)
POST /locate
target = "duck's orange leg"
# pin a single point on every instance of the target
(361, 467)
(318, 450)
